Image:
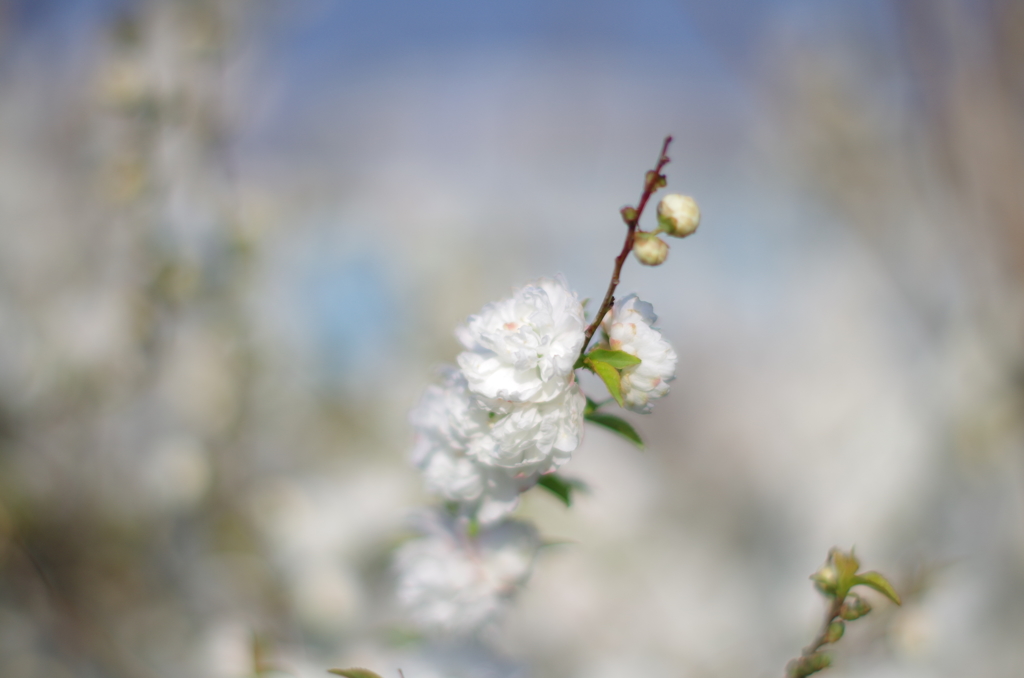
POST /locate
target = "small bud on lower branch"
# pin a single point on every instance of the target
(650, 249)
(629, 215)
(805, 666)
(678, 215)
(835, 631)
(854, 607)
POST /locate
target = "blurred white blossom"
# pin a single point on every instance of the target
(455, 583)
(629, 326)
(449, 421)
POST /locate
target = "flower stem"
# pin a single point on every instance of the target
(650, 186)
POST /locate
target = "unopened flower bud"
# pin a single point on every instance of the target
(650, 249)
(801, 667)
(854, 607)
(835, 631)
(678, 215)
(825, 580)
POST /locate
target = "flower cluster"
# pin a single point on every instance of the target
(493, 427)
(511, 414)
(512, 410)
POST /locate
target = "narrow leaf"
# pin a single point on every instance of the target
(561, 487)
(354, 673)
(617, 359)
(879, 583)
(617, 424)
(610, 376)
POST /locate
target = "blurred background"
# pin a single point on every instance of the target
(236, 236)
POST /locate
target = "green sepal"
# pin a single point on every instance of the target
(591, 407)
(616, 424)
(617, 359)
(354, 673)
(879, 583)
(561, 487)
(610, 376)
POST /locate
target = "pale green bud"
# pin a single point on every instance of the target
(826, 580)
(650, 249)
(835, 631)
(854, 607)
(678, 215)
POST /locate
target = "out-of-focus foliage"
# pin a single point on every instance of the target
(235, 234)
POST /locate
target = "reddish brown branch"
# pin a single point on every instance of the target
(651, 184)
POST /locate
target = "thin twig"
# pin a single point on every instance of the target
(650, 186)
(822, 638)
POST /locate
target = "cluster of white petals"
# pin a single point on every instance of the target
(629, 326)
(451, 583)
(533, 438)
(512, 411)
(490, 428)
(523, 349)
(485, 433)
(452, 427)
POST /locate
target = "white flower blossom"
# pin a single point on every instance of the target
(448, 421)
(450, 582)
(529, 438)
(522, 349)
(629, 326)
(483, 453)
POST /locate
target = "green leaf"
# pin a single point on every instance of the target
(610, 376)
(617, 359)
(561, 487)
(617, 424)
(354, 673)
(591, 407)
(879, 583)
(580, 362)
